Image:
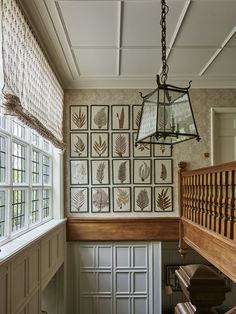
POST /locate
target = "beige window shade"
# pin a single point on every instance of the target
(31, 89)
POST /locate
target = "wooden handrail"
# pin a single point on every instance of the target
(208, 198)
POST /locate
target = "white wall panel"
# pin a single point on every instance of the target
(117, 278)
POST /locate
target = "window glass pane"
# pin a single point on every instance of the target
(19, 163)
(46, 146)
(18, 129)
(2, 159)
(35, 138)
(2, 118)
(35, 167)
(2, 213)
(46, 169)
(18, 210)
(35, 206)
(46, 203)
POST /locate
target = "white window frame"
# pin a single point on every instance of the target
(55, 185)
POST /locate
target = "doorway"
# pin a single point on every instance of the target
(223, 135)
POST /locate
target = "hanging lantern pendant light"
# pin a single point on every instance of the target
(166, 116)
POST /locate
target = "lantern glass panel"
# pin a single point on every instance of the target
(148, 122)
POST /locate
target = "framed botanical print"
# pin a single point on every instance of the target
(120, 145)
(99, 144)
(142, 171)
(99, 117)
(121, 199)
(142, 199)
(163, 171)
(163, 199)
(171, 277)
(79, 200)
(78, 118)
(120, 117)
(78, 145)
(100, 172)
(136, 113)
(121, 171)
(79, 172)
(100, 200)
(140, 149)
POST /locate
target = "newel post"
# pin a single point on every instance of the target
(182, 246)
(203, 288)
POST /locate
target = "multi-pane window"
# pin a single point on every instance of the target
(25, 179)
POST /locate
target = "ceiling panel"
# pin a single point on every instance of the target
(97, 62)
(116, 43)
(207, 23)
(189, 60)
(91, 23)
(141, 22)
(225, 63)
(140, 62)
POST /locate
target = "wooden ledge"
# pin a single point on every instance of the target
(123, 229)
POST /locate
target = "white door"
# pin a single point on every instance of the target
(223, 135)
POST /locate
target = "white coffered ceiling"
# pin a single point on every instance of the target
(116, 43)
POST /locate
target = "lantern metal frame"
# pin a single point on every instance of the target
(159, 136)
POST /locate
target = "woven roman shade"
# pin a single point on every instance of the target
(31, 90)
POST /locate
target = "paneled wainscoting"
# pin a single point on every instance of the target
(117, 277)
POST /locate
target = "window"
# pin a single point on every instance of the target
(25, 179)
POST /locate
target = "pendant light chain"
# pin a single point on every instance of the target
(165, 67)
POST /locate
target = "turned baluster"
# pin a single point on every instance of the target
(230, 203)
(218, 202)
(214, 201)
(209, 201)
(201, 209)
(224, 203)
(205, 196)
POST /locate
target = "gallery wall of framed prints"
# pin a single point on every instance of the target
(109, 173)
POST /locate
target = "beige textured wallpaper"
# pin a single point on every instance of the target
(191, 151)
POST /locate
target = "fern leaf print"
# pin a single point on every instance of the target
(79, 119)
(100, 172)
(122, 176)
(121, 118)
(138, 118)
(100, 200)
(142, 200)
(100, 118)
(100, 146)
(120, 145)
(163, 175)
(78, 200)
(79, 146)
(122, 198)
(144, 171)
(163, 200)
